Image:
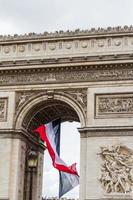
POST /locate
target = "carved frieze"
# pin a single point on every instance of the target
(114, 105)
(116, 169)
(3, 109)
(66, 75)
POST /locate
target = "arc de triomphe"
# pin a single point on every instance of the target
(84, 76)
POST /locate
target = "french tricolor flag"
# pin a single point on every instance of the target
(50, 134)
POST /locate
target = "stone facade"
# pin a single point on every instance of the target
(83, 76)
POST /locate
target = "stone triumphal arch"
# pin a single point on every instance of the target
(84, 76)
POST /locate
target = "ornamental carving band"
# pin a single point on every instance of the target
(65, 76)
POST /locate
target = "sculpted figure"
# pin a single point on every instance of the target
(22, 99)
(117, 168)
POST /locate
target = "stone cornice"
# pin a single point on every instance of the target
(67, 62)
(107, 131)
(65, 68)
(68, 34)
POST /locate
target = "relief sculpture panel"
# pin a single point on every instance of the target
(116, 169)
(114, 105)
(3, 109)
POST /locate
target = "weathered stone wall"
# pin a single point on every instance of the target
(12, 166)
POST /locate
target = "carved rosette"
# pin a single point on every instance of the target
(117, 169)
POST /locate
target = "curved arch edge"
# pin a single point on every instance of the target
(56, 96)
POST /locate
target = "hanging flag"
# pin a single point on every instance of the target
(68, 175)
(67, 182)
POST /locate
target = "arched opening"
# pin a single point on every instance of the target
(42, 110)
(47, 111)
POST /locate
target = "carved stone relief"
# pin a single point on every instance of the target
(3, 109)
(6, 49)
(22, 97)
(50, 77)
(113, 105)
(21, 48)
(80, 95)
(37, 47)
(117, 169)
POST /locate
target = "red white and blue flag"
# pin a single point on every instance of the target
(68, 175)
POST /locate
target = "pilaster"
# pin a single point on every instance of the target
(14, 148)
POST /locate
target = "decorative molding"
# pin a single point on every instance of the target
(3, 109)
(116, 169)
(105, 131)
(113, 105)
(79, 61)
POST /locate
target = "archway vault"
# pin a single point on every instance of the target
(43, 108)
(37, 109)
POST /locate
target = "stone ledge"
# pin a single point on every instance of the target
(108, 131)
(22, 135)
(114, 197)
(3, 199)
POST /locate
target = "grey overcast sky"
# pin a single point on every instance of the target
(53, 15)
